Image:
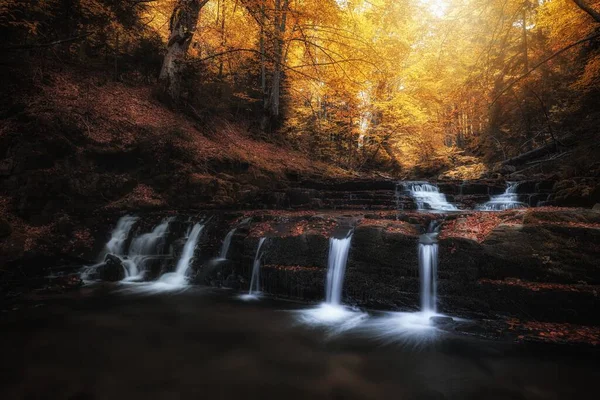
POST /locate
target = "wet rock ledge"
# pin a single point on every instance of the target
(535, 264)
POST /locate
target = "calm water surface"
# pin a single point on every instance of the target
(106, 343)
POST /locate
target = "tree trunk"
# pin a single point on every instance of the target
(272, 105)
(588, 9)
(182, 27)
(263, 67)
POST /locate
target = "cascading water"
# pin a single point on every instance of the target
(332, 314)
(416, 328)
(255, 280)
(115, 245)
(428, 263)
(179, 277)
(119, 236)
(336, 269)
(226, 244)
(428, 196)
(144, 247)
(254, 290)
(509, 200)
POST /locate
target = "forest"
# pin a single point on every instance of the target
(299, 199)
(408, 87)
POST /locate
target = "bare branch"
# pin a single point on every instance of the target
(544, 61)
(588, 9)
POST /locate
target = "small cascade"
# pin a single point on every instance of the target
(428, 196)
(115, 245)
(332, 314)
(255, 280)
(226, 244)
(144, 247)
(509, 200)
(119, 236)
(428, 254)
(336, 269)
(179, 277)
(428, 263)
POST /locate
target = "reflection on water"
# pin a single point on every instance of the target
(205, 343)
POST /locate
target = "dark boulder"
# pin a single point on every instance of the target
(112, 270)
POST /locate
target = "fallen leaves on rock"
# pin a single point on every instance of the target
(550, 332)
(542, 286)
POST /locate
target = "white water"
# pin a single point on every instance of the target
(116, 244)
(428, 259)
(144, 247)
(336, 269)
(254, 290)
(428, 196)
(179, 277)
(227, 243)
(332, 315)
(415, 328)
(509, 200)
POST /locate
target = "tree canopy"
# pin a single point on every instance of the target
(404, 85)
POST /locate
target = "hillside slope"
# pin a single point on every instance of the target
(76, 143)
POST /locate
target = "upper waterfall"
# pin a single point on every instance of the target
(427, 196)
(506, 201)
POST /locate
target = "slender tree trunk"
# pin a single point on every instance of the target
(223, 38)
(525, 38)
(263, 67)
(272, 106)
(182, 27)
(525, 108)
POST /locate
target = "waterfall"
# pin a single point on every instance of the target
(116, 244)
(509, 200)
(179, 277)
(227, 243)
(428, 264)
(255, 280)
(145, 246)
(336, 269)
(428, 254)
(332, 314)
(428, 196)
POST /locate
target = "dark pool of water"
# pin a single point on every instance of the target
(102, 343)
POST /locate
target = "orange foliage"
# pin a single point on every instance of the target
(541, 286)
(555, 332)
(478, 225)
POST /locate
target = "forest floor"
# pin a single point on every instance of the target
(77, 142)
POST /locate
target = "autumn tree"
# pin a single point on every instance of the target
(182, 26)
